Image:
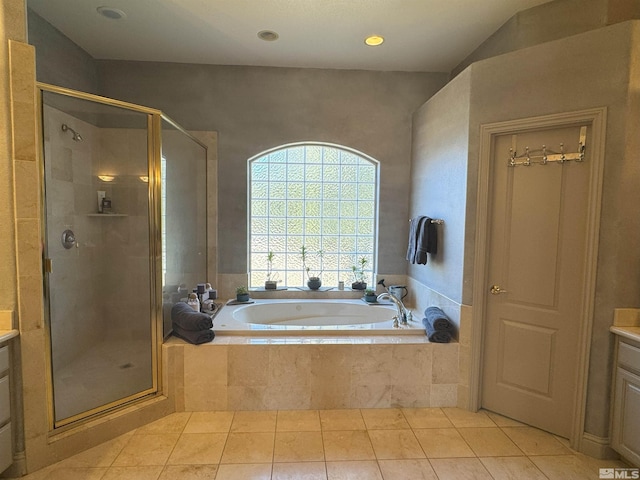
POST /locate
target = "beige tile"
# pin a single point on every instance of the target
(252, 447)
(298, 447)
(443, 443)
(395, 444)
(173, 423)
(347, 445)
(102, 455)
(489, 442)
(464, 418)
(407, 470)
(426, 418)
(148, 472)
(503, 421)
(411, 396)
(198, 449)
(75, 473)
(571, 467)
(443, 395)
(254, 421)
(460, 468)
(445, 363)
(209, 422)
(349, 419)
(189, 472)
(353, 470)
(512, 468)
(247, 398)
(384, 418)
(248, 365)
(298, 421)
(370, 396)
(146, 450)
(259, 471)
(299, 471)
(205, 388)
(533, 441)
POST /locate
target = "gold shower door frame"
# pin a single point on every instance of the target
(154, 152)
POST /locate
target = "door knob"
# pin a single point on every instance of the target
(496, 290)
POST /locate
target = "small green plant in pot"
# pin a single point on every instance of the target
(242, 294)
(313, 279)
(271, 283)
(370, 296)
(360, 282)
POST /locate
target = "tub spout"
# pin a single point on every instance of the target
(402, 310)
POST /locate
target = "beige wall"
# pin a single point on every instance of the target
(551, 21)
(589, 70)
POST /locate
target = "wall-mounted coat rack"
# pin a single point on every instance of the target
(544, 156)
(437, 221)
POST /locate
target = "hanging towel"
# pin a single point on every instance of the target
(438, 319)
(194, 337)
(415, 226)
(423, 239)
(186, 318)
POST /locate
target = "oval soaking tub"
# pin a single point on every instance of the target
(310, 317)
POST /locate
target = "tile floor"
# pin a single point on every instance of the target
(376, 444)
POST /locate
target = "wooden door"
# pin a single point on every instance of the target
(535, 282)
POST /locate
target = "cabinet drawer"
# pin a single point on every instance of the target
(5, 400)
(628, 356)
(4, 359)
(6, 453)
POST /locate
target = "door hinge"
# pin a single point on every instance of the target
(47, 265)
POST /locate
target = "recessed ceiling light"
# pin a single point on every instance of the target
(268, 35)
(374, 40)
(111, 13)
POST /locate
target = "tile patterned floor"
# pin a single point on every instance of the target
(367, 444)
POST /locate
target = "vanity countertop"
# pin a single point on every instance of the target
(632, 333)
(8, 334)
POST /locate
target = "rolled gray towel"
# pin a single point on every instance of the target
(194, 337)
(437, 319)
(186, 318)
(436, 336)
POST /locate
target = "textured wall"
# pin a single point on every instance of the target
(257, 108)
(580, 72)
(547, 22)
(59, 61)
(438, 182)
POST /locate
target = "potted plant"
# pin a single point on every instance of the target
(242, 294)
(270, 283)
(359, 282)
(313, 281)
(370, 296)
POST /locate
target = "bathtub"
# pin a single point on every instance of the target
(311, 317)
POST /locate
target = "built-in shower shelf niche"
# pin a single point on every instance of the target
(104, 215)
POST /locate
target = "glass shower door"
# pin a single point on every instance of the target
(99, 287)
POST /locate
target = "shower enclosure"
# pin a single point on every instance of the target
(116, 179)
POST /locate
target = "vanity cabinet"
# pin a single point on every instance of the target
(625, 431)
(6, 454)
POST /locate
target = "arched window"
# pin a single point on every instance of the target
(316, 195)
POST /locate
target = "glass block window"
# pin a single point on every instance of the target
(320, 196)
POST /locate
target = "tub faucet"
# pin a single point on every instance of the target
(402, 310)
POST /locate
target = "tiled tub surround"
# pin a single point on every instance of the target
(311, 372)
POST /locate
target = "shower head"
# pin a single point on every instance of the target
(76, 136)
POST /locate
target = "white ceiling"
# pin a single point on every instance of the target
(421, 35)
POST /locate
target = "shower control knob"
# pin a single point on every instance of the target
(496, 290)
(68, 239)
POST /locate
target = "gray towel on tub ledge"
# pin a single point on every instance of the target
(436, 336)
(186, 318)
(194, 337)
(438, 319)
